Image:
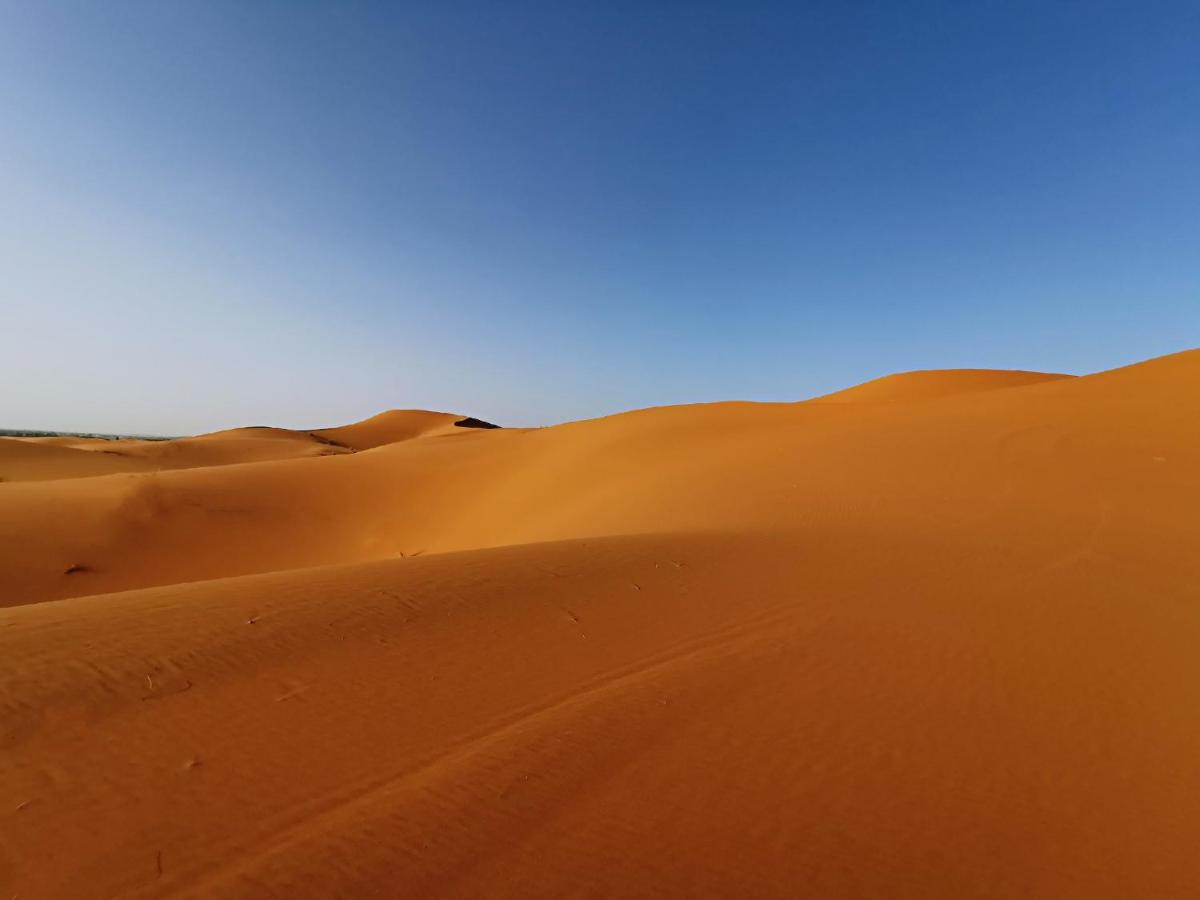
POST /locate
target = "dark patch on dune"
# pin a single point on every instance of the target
(329, 442)
(472, 422)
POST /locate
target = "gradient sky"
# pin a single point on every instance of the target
(217, 214)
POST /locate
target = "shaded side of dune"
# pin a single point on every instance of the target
(935, 645)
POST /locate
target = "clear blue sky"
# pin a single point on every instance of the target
(293, 213)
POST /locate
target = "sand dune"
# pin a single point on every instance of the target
(48, 459)
(935, 383)
(30, 460)
(931, 636)
(394, 426)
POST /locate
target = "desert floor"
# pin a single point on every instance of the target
(937, 635)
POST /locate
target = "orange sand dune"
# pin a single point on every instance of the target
(29, 459)
(221, 448)
(392, 427)
(933, 636)
(69, 440)
(934, 383)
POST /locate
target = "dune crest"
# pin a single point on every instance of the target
(53, 458)
(927, 383)
(391, 427)
(864, 645)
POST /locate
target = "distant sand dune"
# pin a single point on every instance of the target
(931, 636)
(934, 383)
(40, 459)
(391, 427)
(29, 460)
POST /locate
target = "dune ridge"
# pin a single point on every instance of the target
(929, 636)
(929, 383)
(47, 459)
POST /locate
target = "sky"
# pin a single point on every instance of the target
(297, 213)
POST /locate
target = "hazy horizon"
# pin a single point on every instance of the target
(222, 215)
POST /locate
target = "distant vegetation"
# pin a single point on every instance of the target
(11, 432)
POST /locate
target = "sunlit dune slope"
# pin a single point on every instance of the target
(934, 383)
(391, 427)
(978, 458)
(76, 442)
(220, 448)
(26, 460)
(938, 646)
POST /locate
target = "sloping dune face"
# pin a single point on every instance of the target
(934, 636)
(390, 427)
(935, 383)
(29, 460)
(48, 459)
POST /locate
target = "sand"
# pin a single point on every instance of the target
(932, 636)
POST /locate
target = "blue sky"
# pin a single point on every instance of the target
(291, 213)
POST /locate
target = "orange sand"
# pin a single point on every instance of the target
(933, 636)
